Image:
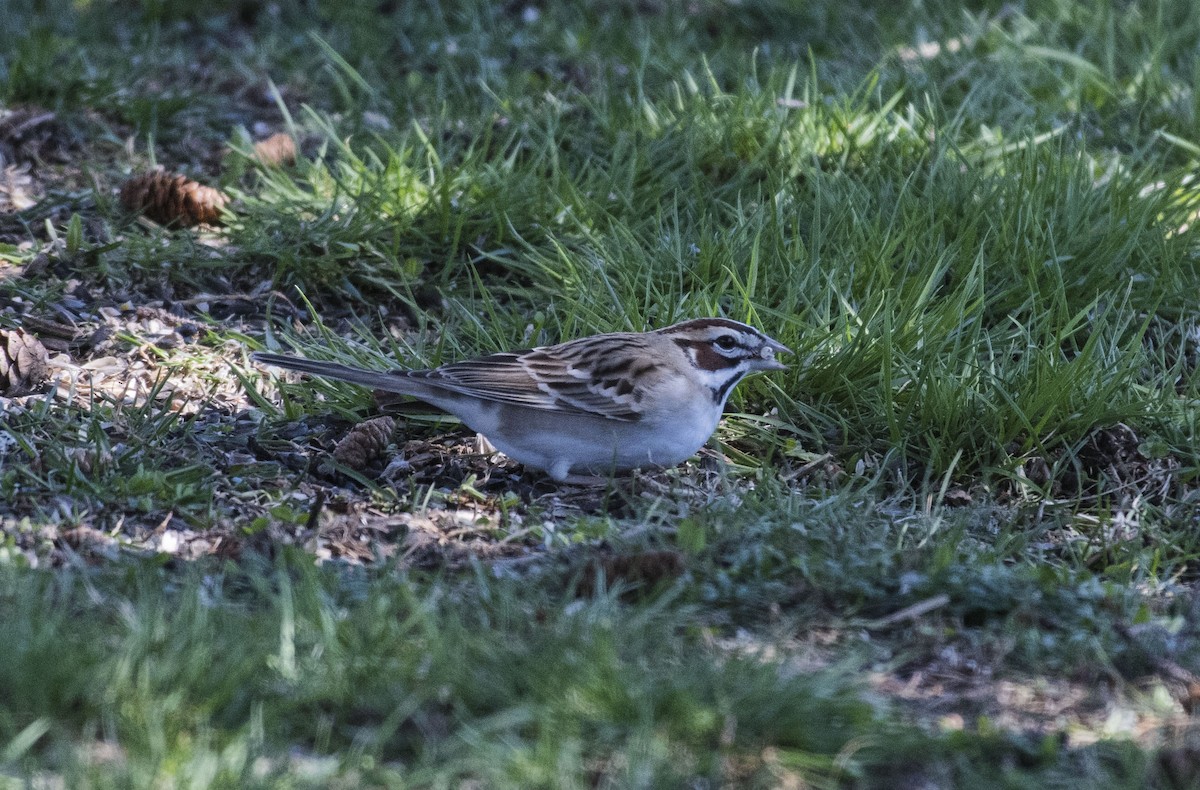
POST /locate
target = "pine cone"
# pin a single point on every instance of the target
(278, 149)
(364, 443)
(168, 197)
(639, 569)
(84, 537)
(23, 362)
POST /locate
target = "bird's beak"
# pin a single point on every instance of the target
(767, 355)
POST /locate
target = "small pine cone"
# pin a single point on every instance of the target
(168, 197)
(83, 537)
(639, 569)
(23, 362)
(365, 442)
(278, 149)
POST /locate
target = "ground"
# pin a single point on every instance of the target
(954, 545)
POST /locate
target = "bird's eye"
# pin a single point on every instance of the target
(726, 342)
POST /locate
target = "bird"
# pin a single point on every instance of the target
(591, 406)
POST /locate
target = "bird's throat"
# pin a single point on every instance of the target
(721, 387)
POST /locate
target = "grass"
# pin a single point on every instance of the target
(953, 546)
(404, 688)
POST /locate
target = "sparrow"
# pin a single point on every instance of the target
(590, 406)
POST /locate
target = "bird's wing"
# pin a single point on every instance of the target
(604, 376)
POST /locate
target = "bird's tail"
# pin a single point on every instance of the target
(391, 382)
